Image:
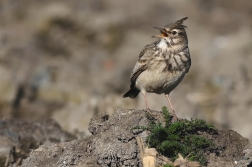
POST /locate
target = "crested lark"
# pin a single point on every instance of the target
(163, 64)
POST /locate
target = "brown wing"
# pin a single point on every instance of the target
(135, 75)
(142, 64)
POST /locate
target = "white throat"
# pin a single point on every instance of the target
(162, 44)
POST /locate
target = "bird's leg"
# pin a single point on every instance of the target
(146, 102)
(167, 97)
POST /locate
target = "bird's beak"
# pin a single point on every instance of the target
(163, 33)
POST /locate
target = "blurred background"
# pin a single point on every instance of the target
(71, 60)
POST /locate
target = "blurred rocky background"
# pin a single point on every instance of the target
(71, 60)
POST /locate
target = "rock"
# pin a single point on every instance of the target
(246, 160)
(18, 137)
(113, 143)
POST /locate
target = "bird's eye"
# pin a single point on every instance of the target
(174, 32)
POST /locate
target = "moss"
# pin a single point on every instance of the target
(168, 165)
(179, 137)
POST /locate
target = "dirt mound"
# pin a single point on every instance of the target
(113, 143)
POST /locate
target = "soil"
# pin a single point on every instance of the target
(230, 146)
(113, 143)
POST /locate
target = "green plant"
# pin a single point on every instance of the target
(179, 137)
(168, 165)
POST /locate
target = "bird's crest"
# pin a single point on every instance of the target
(177, 24)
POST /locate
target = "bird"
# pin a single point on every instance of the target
(162, 65)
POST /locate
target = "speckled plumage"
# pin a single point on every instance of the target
(163, 64)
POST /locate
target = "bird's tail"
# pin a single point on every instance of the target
(132, 93)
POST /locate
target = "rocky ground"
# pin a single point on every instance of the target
(113, 143)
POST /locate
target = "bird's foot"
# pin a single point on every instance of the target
(148, 110)
(175, 118)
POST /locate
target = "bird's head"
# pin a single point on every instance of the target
(174, 33)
